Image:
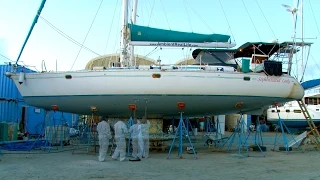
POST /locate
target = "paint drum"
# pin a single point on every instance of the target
(245, 65)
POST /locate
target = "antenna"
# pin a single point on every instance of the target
(293, 11)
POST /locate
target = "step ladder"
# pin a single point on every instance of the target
(313, 128)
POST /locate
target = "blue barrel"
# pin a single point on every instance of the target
(245, 65)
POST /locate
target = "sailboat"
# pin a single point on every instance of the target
(215, 85)
(291, 113)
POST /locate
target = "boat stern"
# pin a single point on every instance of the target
(296, 91)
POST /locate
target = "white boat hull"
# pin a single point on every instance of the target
(111, 91)
(292, 116)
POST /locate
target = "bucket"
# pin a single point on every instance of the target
(245, 65)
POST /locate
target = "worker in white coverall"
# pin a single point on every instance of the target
(145, 137)
(120, 129)
(103, 129)
(137, 141)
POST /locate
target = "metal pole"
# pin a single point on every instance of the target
(302, 67)
(133, 18)
(180, 135)
(123, 56)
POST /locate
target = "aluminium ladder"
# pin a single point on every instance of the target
(314, 131)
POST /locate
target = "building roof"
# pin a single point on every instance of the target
(110, 58)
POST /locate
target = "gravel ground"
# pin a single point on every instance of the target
(211, 163)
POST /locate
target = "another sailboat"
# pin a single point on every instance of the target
(291, 113)
(218, 88)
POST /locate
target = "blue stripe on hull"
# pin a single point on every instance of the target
(296, 123)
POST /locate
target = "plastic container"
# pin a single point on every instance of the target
(3, 131)
(245, 65)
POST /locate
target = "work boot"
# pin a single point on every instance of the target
(135, 159)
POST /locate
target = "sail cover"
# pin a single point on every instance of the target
(311, 84)
(143, 33)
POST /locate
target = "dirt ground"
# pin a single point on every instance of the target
(211, 163)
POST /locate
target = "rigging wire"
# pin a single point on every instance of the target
(314, 18)
(117, 39)
(20, 62)
(142, 15)
(153, 51)
(67, 36)
(151, 12)
(315, 61)
(6, 57)
(147, 9)
(198, 16)
(165, 14)
(86, 34)
(225, 15)
(305, 66)
(251, 20)
(185, 8)
(266, 20)
(114, 12)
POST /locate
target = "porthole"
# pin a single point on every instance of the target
(68, 76)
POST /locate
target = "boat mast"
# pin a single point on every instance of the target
(302, 43)
(133, 19)
(124, 34)
(35, 20)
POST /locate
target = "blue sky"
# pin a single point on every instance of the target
(249, 20)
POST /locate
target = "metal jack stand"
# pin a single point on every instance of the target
(87, 136)
(44, 144)
(287, 146)
(208, 130)
(211, 137)
(188, 124)
(258, 143)
(240, 131)
(181, 127)
(133, 108)
(93, 133)
(63, 132)
(209, 126)
(50, 135)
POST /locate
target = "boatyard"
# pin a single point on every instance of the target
(211, 163)
(221, 110)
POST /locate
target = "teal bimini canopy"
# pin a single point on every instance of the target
(143, 33)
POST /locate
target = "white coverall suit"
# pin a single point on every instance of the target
(120, 130)
(145, 137)
(137, 141)
(103, 129)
